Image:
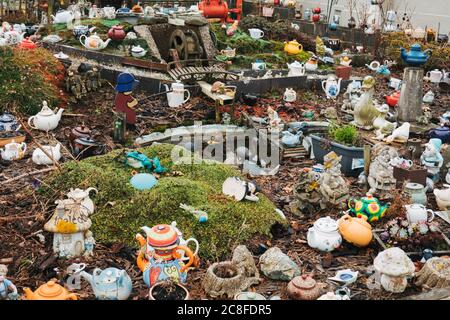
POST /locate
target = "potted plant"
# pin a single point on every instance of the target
(168, 290)
(344, 140)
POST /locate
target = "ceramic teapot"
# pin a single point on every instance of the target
(13, 151)
(416, 192)
(13, 37)
(8, 123)
(355, 230)
(117, 33)
(77, 132)
(304, 287)
(228, 52)
(392, 100)
(256, 33)
(293, 47)
(418, 213)
(332, 87)
(93, 42)
(109, 13)
(435, 76)
(415, 57)
(138, 51)
(296, 69)
(312, 64)
(3, 42)
(177, 97)
(49, 291)
(63, 16)
(442, 133)
(368, 206)
(324, 235)
(159, 258)
(258, 65)
(46, 119)
(290, 95)
(80, 30)
(107, 284)
(82, 196)
(40, 158)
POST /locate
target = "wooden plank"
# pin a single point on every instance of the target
(206, 89)
(144, 64)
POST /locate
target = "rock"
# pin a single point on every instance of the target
(243, 259)
(278, 266)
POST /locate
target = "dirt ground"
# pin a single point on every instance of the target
(31, 262)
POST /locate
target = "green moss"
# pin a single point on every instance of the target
(121, 210)
(347, 134)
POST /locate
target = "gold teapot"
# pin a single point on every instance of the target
(293, 47)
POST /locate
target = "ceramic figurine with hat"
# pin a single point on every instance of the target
(432, 159)
(124, 101)
(8, 290)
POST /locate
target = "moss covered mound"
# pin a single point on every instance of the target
(121, 210)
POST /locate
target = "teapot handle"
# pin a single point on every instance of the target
(188, 252)
(83, 37)
(30, 121)
(432, 215)
(429, 52)
(188, 95)
(300, 47)
(88, 190)
(324, 85)
(23, 145)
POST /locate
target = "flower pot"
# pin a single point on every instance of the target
(352, 157)
(167, 290)
(343, 72)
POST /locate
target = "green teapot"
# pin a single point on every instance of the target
(367, 206)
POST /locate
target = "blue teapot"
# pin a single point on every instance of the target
(442, 133)
(8, 123)
(416, 57)
(108, 284)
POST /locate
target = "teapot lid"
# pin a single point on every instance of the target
(304, 282)
(46, 111)
(416, 47)
(77, 193)
(7, 117)
(295, 64)
(82, 129)
(326, 224)
(249, 296)
(137, 48)
(50, 290)
(162, 235)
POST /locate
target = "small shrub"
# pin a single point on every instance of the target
(347, 134)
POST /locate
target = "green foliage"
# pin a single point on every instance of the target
(347, 134)
(121, 210)
(28, 77)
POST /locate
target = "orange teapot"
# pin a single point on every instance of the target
(355, 230)
(49, 291)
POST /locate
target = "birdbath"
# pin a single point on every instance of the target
(394, 266)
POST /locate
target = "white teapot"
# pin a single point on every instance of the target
(296, 69)
(176, 97)
(13, 151)
(418, 213)
(109, 12)
(39, 157)
(13, 37)
(46, 119)
(332, 87)
(138, 51)
(290, 95)
(82, 196)
(435, 76)
(93, 42)
(324, 235)
(63, 16)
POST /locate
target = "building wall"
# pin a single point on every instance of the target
(424, 13)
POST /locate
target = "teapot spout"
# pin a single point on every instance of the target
(105, 43)
(403, 53)
(59, 113)
(88, 277)
(28, 293)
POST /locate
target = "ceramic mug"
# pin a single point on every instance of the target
(418, 213)
(256, 33)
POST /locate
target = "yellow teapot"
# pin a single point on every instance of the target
(293, 47)
(49, 291)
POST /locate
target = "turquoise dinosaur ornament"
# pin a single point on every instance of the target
(367, 206)
(138, 160)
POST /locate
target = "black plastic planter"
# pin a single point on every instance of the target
(352, 157)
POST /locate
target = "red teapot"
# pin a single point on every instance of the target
(117, 33)
(392, 100)
(317, 10)
(316, 17)
(27, 44)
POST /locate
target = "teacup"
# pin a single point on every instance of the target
(418, 213)
(256, 33)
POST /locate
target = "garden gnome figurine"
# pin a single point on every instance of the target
(89, 243)
(124, 102)
(8, 290)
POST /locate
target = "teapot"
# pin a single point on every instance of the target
(8, 123)
(324, 235)
(442, 133)
(258, 65)
(296, 69)
(82, 196)
(49, 291)
(416, 192)
(418, 213)
(77, 132)
(290, 95)
(46, 119)
(39, 157)
(293, 47)
(13, 37)
(93, 42)
(228, 52)
(332, 87)
(355, 230)
(428, 97)
(27, 44)
(109, 13)
(415, 57)
(107, 284)
(80, 30)
(138, 51)
(392, 100)
(435, 76)
(117, 33)
(63, 16)
(176, 97)
(368, 206)
(311, 64)
(304, 287)
(159, 258)
(291, 140)
(13, 151)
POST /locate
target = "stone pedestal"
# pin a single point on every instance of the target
(410, 102)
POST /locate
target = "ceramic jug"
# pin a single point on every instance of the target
(290, 95)
(435, 76)
(332, 87)
(324, 235)
(256, 33)
(296, 69)
(418, 213)
(13, 151)
(177, 97)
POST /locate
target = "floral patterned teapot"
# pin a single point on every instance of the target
(159, 258)
(368, 206)
(93, 42)
(332, 87)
